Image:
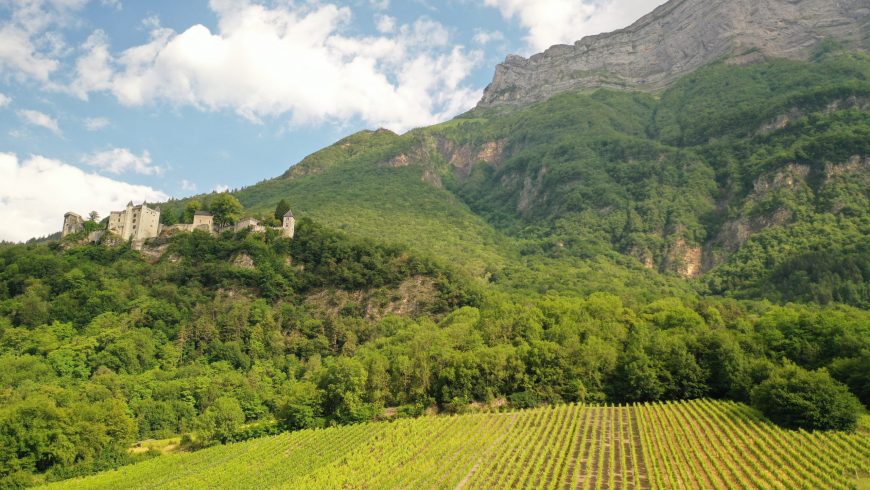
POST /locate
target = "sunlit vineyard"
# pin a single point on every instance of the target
(697, 444)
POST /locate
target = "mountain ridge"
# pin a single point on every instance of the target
(676, 39)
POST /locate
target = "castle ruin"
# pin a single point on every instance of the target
(72, 224)
(139, 223)
(135, 223)
(288, 224)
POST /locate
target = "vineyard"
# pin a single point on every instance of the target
(696, 444)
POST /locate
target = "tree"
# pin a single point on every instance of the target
(281, 209)
(93, 216)
(226, 209)
(300, 407)
(168, 218)
(343, 382)
(192, 207)
(221, 421)
(855, 372)
(796, 398)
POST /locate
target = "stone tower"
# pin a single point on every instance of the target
(72, 223)
(135, 222)
(288, 225)
(204, 221)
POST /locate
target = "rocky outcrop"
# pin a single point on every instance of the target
(428, 153)
(463, 158)
(684, 259)
(244, 261)
(861, 104)
(411, 298)
(678, 38)
(790, 178)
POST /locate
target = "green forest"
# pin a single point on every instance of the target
(102, 348)
(709, 241)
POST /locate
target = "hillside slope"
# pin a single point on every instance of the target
(737, 175)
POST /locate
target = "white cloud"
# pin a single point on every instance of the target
(221, 188)
(264, 62)
(28, 46)
(552, 22)
(40, 119)
(120, 160)
(92, 69)
(188, 186)
(96, 123)
(5, 100)
(19, 56)
(380, 4)
(35, 194)
(486, 37)
(385, 24)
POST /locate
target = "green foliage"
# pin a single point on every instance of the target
(225, 208)
(189, 210)
(564, 225)
(796, 398)
(220, 421)
(671, 445)
(281, 209)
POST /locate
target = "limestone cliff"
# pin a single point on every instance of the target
(678, 38)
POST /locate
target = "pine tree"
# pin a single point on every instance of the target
(281, 209)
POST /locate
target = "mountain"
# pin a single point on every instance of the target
(736, 177)
(678, 38)
(720, 142)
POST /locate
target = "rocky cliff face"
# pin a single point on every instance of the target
(678, 38)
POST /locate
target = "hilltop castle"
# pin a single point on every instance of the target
(139, 223)
(135, 222)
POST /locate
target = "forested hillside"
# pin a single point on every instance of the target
(751, 179)
(231, 337)
(709, 241)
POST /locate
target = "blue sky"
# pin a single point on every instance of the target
(104, 101)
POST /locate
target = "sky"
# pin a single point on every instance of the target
(107, 101)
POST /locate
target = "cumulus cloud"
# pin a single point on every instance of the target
(552, 22)
(40, 119)
(221, 188)
(296, 62)
(5, 100)
(29, 47)
(120, 160)
(19, 56)
(35, 194)
(96, 123)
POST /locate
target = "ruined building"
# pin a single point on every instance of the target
(289, 224)
(135, 222)
(72, 224)
(139, 223)
(203, 220)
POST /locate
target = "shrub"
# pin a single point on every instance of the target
(796, 398)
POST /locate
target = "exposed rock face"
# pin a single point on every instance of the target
(244, 261)
(678, 38)
(410, 298)
(463, 158)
